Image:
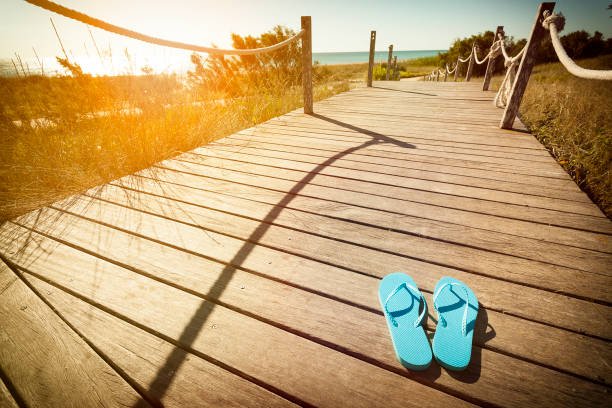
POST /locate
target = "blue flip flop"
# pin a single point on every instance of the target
(457, 308)
(400, 300)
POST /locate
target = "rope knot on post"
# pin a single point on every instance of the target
(557, 19)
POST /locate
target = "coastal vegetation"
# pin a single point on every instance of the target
(572, 118)
(64, 134)
(67, 133)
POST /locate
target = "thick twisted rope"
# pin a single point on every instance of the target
(449, 71)
(510, 60)
(492, 53)
(555, 23)
(84, 18)
(503, 93)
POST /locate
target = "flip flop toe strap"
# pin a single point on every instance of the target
(465, 311)
(408, 288)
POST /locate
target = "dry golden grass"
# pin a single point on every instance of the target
(573, 119)
(61, 136)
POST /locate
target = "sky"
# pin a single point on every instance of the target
(337, 25)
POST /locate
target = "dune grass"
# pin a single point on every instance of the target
(572, 118)
(63, 135)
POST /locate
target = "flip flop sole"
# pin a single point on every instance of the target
(451, 348)
(411, 345)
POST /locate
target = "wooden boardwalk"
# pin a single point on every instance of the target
(245, 273)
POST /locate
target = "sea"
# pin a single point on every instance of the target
(164, 64)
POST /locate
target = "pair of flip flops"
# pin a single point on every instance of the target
(457, 307)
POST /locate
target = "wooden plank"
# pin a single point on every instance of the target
(45, 360)
(382, 115)
(412, 137)
(399, 148)
(381, 174)
(436, 121)
(579, 239)
(510, 244)
(407, 154)
(261, 351)
(347, 327)
(327, 251)
(235, 143)
(424, 129)
(409, 126)
(6, 398)
(357, 289)
(554, 203)
(433, 251)
(169, 375)
(519, 154)
(415, 228)
(560, 311)
(370, 195)
(250, 153)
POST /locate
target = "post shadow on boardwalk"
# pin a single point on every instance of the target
(166, 373)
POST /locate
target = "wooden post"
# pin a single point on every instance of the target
(525, 67)
(491, 62)
(371, 60)
(457, 69)
(389, 62)
(445, 74)
(395, 68)
(471, 64)
(437, 74)
(307, 64)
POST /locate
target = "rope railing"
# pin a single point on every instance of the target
(305, 35)
(519, 66)
(510, 60)
(103, 25)
(555, 23)
(492, 52)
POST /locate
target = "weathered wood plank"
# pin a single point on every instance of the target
(389, 164)
(424, 129)
(548, 233)
(356, 192)
(351, 326)
(261, 351)
(431, 250)
(46, 362)
(6, 398)
(118, 246)
(400, 148)
(504, 243)
(374, 264)
(186, 380)
(441, 140)
(477, 162)
(470, 149)
(510, 298)
(386, 175)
